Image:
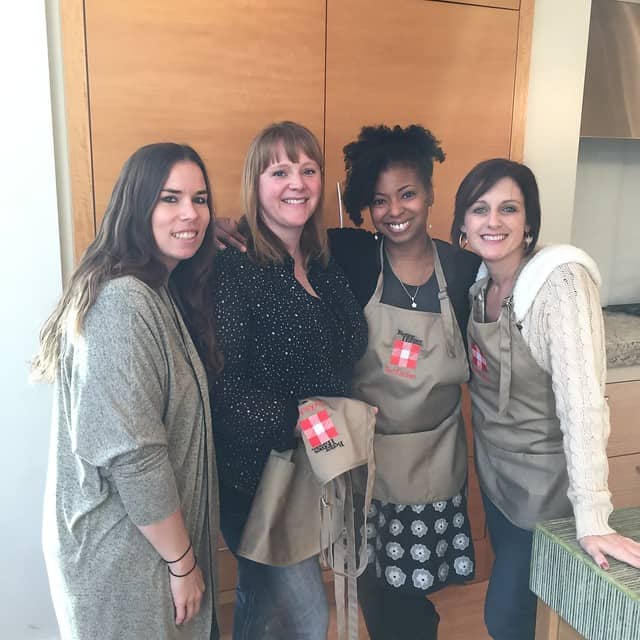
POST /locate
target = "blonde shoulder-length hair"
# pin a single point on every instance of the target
(264, 246)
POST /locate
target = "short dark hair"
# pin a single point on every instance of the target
(378, 148)
(482, 178)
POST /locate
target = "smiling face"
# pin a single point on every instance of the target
(181, 215)
(289, 193)
(400, 205)
(495, 224)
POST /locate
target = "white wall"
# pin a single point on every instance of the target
(552, 134)
(606, 222)
(30, 284)
(590, 189)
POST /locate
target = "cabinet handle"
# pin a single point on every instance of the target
(638, 468)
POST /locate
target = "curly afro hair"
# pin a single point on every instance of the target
(378, 148)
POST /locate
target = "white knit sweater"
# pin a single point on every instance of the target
(558, 306)
(564, 329)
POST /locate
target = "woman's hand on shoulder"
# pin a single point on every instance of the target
(226, 234)
(614, 545)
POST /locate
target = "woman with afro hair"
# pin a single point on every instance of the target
(414, 292)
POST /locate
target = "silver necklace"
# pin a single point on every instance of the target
(414, 304)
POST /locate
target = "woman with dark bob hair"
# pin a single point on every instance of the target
(413, 290)
(540, 418)
(289, 329)
(131, 499)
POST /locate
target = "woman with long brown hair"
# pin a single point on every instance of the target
(131, 497)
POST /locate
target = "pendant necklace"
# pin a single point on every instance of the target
(414, 304)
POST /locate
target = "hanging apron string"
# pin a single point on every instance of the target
(340, 554)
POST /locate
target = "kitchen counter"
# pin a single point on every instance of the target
(578, 599)
(622, 335)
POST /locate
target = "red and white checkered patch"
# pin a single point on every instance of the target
(478, 360)
(318, 428)
(405, 354)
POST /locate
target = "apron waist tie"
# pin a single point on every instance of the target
(340, 554)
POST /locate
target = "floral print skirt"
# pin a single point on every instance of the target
(422, 547)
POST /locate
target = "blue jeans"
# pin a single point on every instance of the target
(273, 603)
(510, 606)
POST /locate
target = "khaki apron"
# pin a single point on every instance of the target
(299, 507)
(412, 371)
(518, 442)
(304, 502)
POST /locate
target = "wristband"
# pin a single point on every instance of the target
(180, 558)
(182, 575)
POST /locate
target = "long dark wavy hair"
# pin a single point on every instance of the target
(124, 245)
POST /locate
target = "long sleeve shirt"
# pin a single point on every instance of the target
(130, 445)
(280, 345)
(564, 330)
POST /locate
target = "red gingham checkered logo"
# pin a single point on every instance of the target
(405, 354)
(318, 428)
(477, 358)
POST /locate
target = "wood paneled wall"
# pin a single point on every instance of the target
(213, 73)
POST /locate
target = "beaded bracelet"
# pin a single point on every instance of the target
(180, 558)
(182, 575)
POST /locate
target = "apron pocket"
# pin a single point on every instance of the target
(422, 467)
(526, 487)
(283, 527)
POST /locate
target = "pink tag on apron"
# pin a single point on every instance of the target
(478, 360)
(318, 428)
(404, 354)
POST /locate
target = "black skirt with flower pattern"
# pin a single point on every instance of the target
(419, 548)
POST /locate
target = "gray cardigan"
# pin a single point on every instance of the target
(131, 443)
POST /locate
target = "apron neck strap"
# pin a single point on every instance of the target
(505, 355)
(506, 323)
(446, 308)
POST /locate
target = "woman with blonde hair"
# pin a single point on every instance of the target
(289, 328)
(131, 499)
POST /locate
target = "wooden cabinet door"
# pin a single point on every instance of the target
(449, 67)
(499, 4)
(209, 73)
(624, 402)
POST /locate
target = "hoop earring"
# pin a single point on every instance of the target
(462, 240)
(528, 239)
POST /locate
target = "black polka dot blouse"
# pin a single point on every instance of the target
(280, 345)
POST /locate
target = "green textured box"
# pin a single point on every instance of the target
(598, 604)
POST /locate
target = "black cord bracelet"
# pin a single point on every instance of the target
(180, 558)
(183, 575)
